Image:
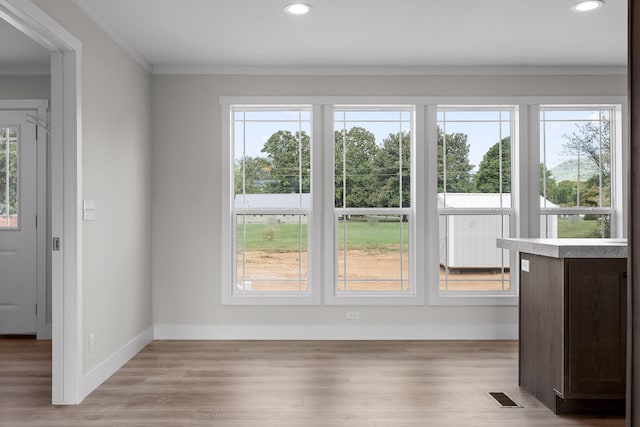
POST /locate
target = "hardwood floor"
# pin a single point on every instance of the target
(285, 383)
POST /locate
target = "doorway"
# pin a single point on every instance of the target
(65, 188)
(23, 218)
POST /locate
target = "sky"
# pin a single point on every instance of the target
(483, 128)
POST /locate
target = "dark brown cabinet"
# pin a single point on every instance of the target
(573, 332)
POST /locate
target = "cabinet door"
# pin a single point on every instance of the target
(541, 327)
(595, 334)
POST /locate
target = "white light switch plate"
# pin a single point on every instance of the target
(89, 210)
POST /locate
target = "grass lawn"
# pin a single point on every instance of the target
(370, 236)
(361, 235)
(578, 228)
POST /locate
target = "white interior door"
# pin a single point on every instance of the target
(18, 236)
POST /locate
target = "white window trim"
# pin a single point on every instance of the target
(228, 297)
(525, 190)
(525, 180)
(618, 170)
(494, 298)
(416, 223)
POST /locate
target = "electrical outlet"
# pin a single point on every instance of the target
(353, 315)
(92, 342)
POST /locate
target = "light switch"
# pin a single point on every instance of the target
(89, 210)
(524, 265)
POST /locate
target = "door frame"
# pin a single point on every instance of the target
(66, 191)
(39, 106)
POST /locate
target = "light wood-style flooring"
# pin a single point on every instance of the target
(285, 383)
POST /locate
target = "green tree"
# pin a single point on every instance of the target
(11, 206)
(490, 174)
(551, 185)
(566, 193)
(392, 163)
(256, 172)
(458, 168)
(354, 152)
(591, 192)
(289, 155)
(592, 140)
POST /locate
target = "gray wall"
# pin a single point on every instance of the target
(186, 193)
(116, 146)
(25, 86)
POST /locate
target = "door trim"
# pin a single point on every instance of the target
(66, 190)
(40, 108)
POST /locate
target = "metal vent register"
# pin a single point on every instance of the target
(504, 400)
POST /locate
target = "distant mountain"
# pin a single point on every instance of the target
(568, 171)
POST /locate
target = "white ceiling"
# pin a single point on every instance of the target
(20, 54)
(236, 35)
(386, 36)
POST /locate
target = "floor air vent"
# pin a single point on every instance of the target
(504, 400)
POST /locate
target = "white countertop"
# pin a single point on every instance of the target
(568, 248)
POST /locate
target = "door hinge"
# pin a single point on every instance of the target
(56, 244)
(36, 309)
(36, 221)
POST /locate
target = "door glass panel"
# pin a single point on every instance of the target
(9, 195)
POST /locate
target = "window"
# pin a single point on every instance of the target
(372, 181)
(320, 209)
(371, 201)
(272, 200)
(9, 195)
(474, 198)
(576, 170)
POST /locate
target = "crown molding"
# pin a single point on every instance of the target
(117, 39)
(173, 69)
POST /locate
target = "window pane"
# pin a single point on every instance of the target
(272, 153)
(372, 158)
(9, 196)
(271, 253)
(474, 172)
(373, 253)
(469, 258)
(474, 151)
(575, 153)
(272, 193)
(575, 226)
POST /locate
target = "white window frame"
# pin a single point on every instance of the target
(228, 271)
(416, 220)
(509, 296)
(616, 225)
(525, 172)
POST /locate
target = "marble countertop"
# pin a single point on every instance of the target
(568, 248)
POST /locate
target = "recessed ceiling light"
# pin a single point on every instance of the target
(297, 8)
(587, 5)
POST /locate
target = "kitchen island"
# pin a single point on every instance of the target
(572, 322)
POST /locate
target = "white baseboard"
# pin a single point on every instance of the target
(336, 332)
(109, 366)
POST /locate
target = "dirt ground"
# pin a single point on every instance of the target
(282, 270)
